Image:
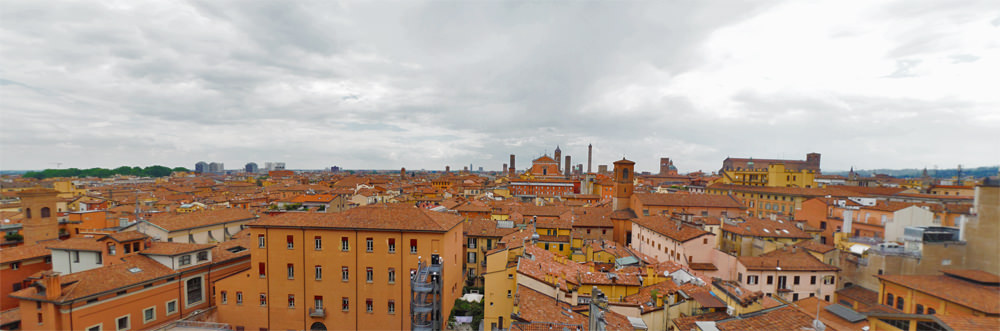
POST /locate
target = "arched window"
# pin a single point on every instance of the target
(46, 212)
(899, 303)
(888, 300)
(624, 173)
(931, 311)
(27, 212)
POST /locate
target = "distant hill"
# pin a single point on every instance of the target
(909, 173)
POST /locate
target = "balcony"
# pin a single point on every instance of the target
(317, 312)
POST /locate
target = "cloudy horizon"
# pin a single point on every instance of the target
(422, 85)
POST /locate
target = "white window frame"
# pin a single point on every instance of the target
(99, 326)
(166, 307)
(261, 241)
(128, 319)
(319, 272)
(144, 320)
(239, 297)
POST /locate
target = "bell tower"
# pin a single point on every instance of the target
(624, 176)
(621, 217)
(558, 157)
(40, 214)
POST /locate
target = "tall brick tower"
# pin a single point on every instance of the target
(558, 157)
(590, 155)
(40, 214)
(567, 166)
(622, 215)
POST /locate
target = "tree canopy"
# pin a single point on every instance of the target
(150, 171)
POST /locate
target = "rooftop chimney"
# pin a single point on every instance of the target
(53, 287)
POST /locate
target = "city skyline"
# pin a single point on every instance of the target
(425, 85)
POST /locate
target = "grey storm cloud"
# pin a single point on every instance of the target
(427, 84)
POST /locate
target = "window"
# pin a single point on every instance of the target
(345, 245)
(889, 299)
(508, 293)
(920, 309)
(291, 271)
(392, 306)
(369, 305)
(194, 294)
(135, 247)
(184, 260)
(471, 243)
(128, 248)
(319, 272)
(318, 241)
(111, 249)
(202, 256)
(392, 275)
(795, 280)
(829, 280)
(263, 299)
(413, 246)
(95, 328)
(291, 301)
(100, 259)
(27, 212)
(148, 314)
(345, 274)
(812, 280)
(122, 323)
(318, 302)
(472, 257)
(752, 280)
(76, 256)
(770, 280)
(171, 307)
(261, 269)
(16, 265)
(260, 241)
(795, 297)
(239, 298)
(223, 297)
(369, 274)
(46, 212)
(782, 282)
(290, 241)
(345, 304)
(392, 245)
(899, 303)
(739, 276)
(369, 245)
(931, 311)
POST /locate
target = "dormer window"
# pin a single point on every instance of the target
(202, 256)
(184, 260)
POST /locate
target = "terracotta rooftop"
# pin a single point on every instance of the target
(859, 294)
(832, 321)
(104, 279)
(373, 217)
(757, 227)
(688, 322)
(23, 252)
(126, 236)
(978, 276)
(486, 228)
(784, 318)
(171, 248)
(814, 246)
(963, 292)
(838, 191)
(10, 316)
(970, 323)
(77, 244)
(315, 198)
(239, 245)
(787, 260)
(689, 200)
(671, 229)
(176, 222)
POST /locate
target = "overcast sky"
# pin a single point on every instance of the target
(389, 84)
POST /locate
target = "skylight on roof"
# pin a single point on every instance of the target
(236, 249)
(766, 230)
(134, 269)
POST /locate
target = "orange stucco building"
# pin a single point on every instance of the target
(345, 271)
